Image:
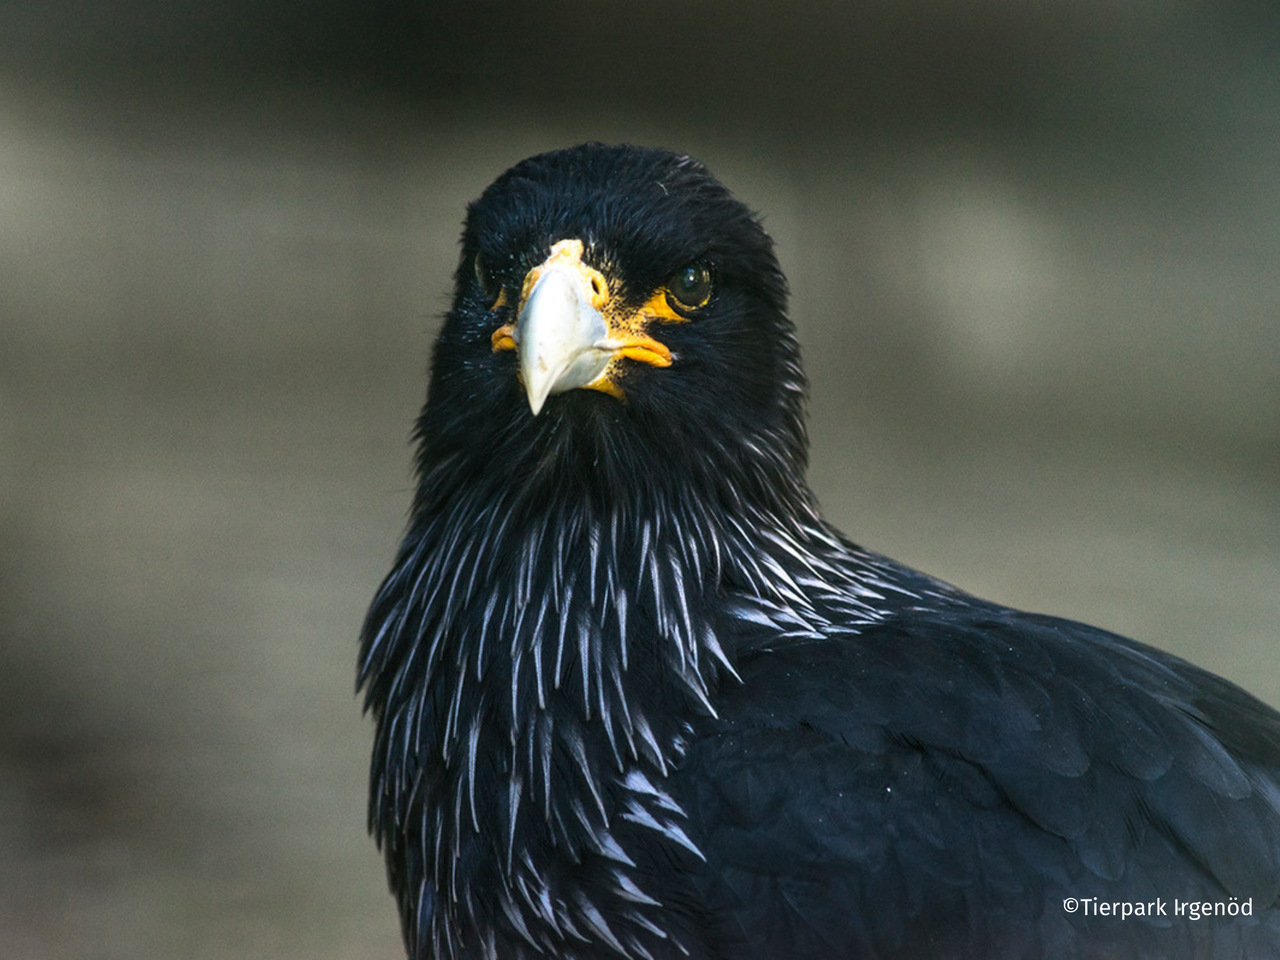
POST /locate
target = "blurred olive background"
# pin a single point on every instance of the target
(1033, 253)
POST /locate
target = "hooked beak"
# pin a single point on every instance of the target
(561, 338)
(569, 332)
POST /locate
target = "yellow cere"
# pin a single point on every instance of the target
(627, 325)
(568, 253)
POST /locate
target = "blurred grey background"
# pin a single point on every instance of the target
(1033, 252)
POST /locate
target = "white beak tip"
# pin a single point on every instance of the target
(556, 337)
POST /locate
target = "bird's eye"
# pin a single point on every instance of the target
(690, 288)
(491, 289)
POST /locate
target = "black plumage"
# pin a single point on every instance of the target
(635, 699)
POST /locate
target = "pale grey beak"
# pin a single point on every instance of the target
(562, 341)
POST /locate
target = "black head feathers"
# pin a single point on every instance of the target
(731, 400)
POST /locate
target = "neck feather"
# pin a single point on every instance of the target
(535, 660)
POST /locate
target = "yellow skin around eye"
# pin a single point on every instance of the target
(626, 325)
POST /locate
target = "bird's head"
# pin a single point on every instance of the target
(617, 310)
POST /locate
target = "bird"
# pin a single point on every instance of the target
(633, 697)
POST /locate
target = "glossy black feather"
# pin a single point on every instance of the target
(633, 698)
(967, 770)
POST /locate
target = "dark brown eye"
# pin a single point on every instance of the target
(690, 288)
(487, 284)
